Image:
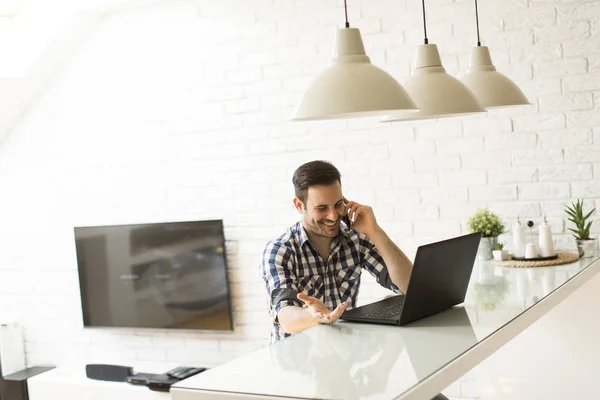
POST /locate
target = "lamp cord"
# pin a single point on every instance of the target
(477, 22)
(346, 12)
(425, 23)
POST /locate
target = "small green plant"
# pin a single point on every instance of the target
(499, 246)
(486, 222)
(575, 211)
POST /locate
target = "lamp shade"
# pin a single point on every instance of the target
(436, 93)
(491, 87)
(351, 86)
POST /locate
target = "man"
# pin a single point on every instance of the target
(312, 271)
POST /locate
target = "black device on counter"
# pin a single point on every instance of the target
(108, 372)
(120, 373)
(163, 382)
(184, 372)
(142, 378)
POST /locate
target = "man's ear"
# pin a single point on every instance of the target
(299, 205)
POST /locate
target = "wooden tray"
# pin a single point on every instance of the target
(562, 258)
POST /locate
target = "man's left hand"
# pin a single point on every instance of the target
(362, 217)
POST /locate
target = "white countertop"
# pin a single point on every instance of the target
(353, 361)
(555, 358)
(72, 383)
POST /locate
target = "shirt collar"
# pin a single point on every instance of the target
(303, 237)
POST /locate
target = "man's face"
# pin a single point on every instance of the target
(323, 209)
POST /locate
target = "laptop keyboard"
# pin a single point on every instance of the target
(388, 312)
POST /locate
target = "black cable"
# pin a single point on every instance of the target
(477, 21)
(425, 24)
(346, 11)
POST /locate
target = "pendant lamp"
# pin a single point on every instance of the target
(351, 87)
(436, 93)
(492, 88)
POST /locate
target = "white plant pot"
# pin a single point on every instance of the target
(500, 255)
(587, 248)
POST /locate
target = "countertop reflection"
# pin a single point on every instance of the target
(496, 295)
(354, 361)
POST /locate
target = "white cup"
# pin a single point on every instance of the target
(531, 250)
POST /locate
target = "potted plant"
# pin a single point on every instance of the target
(490, 226)
(499, 253)
(586, 246)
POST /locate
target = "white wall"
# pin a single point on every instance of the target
(180, 112)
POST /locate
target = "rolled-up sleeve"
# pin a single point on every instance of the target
(278, 273)
(373, 262)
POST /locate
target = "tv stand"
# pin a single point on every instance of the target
(71, 383)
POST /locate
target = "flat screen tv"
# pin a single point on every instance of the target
(159, 275)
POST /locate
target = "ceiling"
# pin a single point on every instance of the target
(37, 39)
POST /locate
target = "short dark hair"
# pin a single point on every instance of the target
(314, 173)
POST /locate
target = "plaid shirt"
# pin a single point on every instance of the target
(291, 264)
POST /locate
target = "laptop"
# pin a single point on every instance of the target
(439, 280)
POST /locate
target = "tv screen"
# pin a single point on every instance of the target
(160, 275)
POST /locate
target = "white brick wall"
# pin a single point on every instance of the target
(181, 111)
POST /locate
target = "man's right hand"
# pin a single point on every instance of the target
(319, 311)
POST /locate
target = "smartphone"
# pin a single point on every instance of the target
(141, 378)
(346, 217)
